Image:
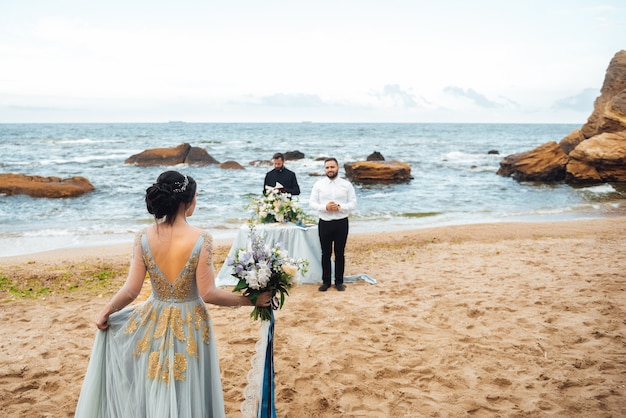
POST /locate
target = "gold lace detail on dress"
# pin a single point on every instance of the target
(171, 319)
(160, 334)
(164, 370)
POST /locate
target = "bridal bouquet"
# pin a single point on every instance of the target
(278, 207)
(260, 268)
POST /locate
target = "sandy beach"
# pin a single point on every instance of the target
(490, 320)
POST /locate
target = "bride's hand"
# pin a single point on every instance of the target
(264, 299)
(102, 322)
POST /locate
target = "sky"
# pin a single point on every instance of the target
(446, 61)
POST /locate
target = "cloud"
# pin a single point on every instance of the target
(510, 102)
(472, 95)
(398, 96)
(582, 102)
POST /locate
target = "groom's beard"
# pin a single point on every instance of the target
(332, 175)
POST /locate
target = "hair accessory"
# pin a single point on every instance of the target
(182, 185)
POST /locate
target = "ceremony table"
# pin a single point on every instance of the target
(299, 241)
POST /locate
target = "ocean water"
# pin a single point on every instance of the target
(454, 177)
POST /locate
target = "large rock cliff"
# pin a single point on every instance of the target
(595, 153)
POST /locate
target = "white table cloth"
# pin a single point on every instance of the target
(299, 241)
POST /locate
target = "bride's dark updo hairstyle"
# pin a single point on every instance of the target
(165, 196)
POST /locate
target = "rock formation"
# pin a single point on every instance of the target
(288, 155)
(183, 153)
(231, 165)
(375, 156)
(37, 186)
(199, 156)
(595, 153)
(293, 155)
(370, 172)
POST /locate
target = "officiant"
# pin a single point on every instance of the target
(281, 177)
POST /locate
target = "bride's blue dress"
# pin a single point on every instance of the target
(158, 358)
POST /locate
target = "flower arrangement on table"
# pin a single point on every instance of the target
(260, 268)
(276, 206)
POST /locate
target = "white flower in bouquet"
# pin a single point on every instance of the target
(278, 207)
(259, 268)
(290, 269)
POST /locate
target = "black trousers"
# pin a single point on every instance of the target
(333, 232)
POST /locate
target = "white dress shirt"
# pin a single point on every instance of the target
(337, 190)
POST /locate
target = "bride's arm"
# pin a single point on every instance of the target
(129, 291)
(205, 276)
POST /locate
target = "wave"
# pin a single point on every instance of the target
(79, 141)
(76, 160)
(76, 141)
(601, 189)
(419, 214)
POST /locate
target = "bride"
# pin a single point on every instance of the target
(158, 358)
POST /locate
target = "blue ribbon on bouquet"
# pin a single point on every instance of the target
(267, 409)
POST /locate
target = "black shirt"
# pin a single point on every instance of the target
(285, 177)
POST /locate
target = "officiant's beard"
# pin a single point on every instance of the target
(332, 175)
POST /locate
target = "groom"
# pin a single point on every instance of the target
(333, 198)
